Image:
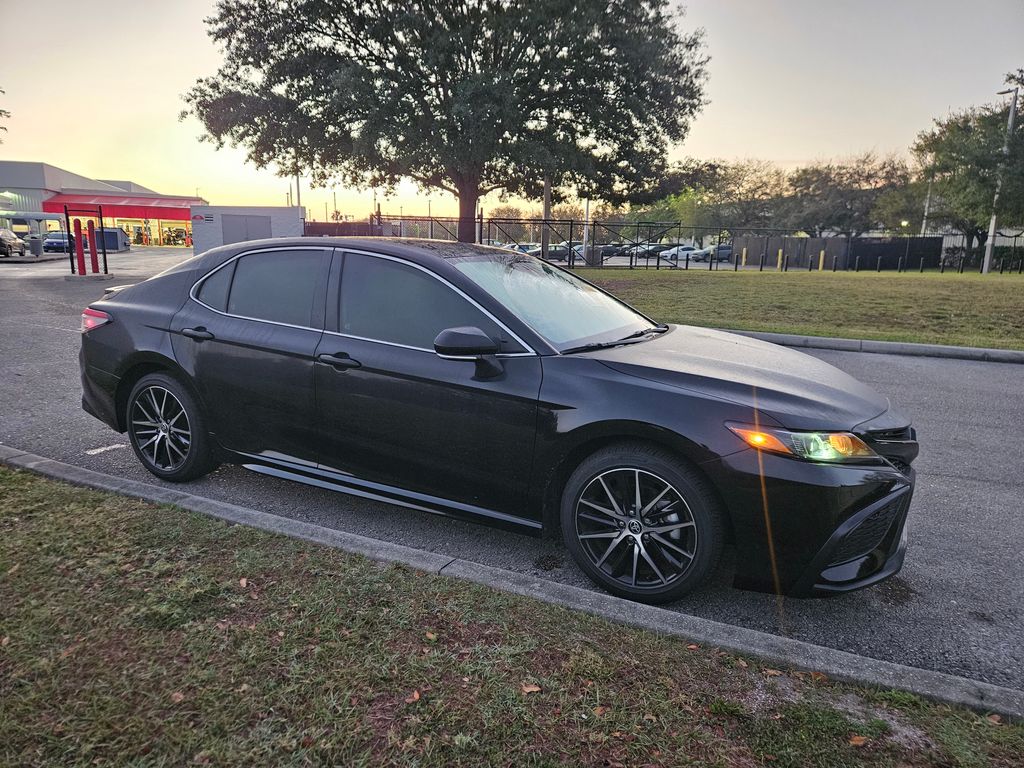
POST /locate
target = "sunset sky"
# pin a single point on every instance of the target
(95, 88)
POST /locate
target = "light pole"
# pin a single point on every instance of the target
(990, 243)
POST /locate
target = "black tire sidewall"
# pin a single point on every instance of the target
(689, 482)
(198, 461)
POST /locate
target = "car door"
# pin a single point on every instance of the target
(395, 413)
(247, 336)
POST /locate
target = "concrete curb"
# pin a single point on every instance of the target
(781, 651)
(890, 347)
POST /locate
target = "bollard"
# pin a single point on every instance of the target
(920, 267)
(778, 264)
(686, 267)
(93, 257)
(79, 248)
(899, 265)
(835, 262)
(942, 265)
(960, 269)
(856, 264)
(744, 261)
(810, 264)
(821, 261)
(878, 265)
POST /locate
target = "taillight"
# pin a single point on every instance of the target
(93, 318)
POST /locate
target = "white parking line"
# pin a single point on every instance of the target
(104, 449)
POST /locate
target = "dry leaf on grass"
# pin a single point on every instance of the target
(771, 672)
(412, 698)
(858, 741)
(177, 697)
(530, 688)
(692, 647)
(243, 582)
(599, 711)
(995, 719)
(431, 636)
(819, 677)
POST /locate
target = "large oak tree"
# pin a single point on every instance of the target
(465, 96)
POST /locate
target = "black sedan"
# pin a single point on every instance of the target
(493, 386)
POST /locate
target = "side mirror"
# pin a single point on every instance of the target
(469, 343)
(464, 342)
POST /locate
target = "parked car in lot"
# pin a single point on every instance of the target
(58, 242)
(11, 244)
(679, 252)
(522, 247)
(555, 252)
(716, 252)
(504, 389)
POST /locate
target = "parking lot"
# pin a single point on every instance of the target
(956, 607)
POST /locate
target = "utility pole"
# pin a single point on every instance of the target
(298, 192)
(990, 243)
(545, 232)
(334, 192)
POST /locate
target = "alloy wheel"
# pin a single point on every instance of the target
(161, 428)
(636, 528)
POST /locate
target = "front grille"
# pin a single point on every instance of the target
(902, 433)
(900, 464)
(867, 536)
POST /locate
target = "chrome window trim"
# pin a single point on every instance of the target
(530, 353)
(236, 257)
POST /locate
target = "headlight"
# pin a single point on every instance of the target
(836, 447)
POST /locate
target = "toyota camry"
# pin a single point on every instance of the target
(490, 385)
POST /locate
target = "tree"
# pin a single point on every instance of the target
(901, 204)
(962, 154)
(840, 197)
(468, 96)
(742, 195)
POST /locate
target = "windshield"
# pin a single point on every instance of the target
(559, 306)
(55, 236)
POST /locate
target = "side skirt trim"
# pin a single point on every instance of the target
(391, 495)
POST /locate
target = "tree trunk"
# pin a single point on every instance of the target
(469, 196)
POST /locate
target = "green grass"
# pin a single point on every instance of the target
(135, 634)
(966, 310)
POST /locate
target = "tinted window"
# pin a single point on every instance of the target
(214, 290)
(387, 301)
(278, 285)
(557, 304)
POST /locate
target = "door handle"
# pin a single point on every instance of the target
(341, 361)
(199, 334)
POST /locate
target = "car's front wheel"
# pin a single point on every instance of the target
(641, 523)
(167, 429)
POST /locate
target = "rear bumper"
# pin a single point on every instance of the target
(98, 393)
(803, 529)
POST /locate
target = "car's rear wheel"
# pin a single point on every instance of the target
(641, 523)
(167, 429)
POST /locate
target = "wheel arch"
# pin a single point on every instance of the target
(585, 441)
(142, 364)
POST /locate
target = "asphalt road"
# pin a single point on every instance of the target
(957, 606)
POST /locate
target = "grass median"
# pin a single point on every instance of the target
(138, 634)
(964, 310)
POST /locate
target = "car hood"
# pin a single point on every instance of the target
(796, 390)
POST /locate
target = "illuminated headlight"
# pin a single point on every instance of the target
(835, 447)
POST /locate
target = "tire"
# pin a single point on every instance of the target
(655, 557)
(158, 407)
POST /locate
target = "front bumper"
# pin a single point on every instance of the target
(804, 529)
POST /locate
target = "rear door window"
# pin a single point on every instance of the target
(279, 286)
